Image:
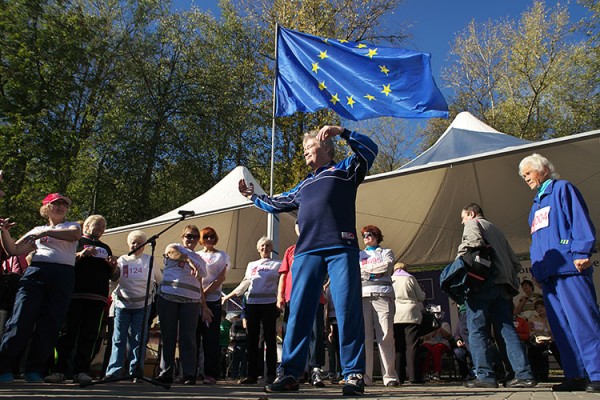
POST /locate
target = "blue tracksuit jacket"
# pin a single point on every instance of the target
(561, 233)
(326, 199)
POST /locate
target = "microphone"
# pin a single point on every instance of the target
(184, 213)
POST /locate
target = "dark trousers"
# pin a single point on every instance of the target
(316, 347)
(238, 360)
(40, 309)
(406, 338)
(80, 333)
(208, 338)
(265, 315)
(461, 354)
(538, 358)
(333, 349)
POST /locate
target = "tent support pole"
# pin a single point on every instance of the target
(272, 221)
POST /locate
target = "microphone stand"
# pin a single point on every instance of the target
(139, 374)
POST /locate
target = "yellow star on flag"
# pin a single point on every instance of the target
(384, 69)
(323, 55)
(343, 41)
(386, 89)
(351, 101)
(322, 85)
(369, 97)
(334, 99)
(371, 53)
(361, 46)
(315, 67)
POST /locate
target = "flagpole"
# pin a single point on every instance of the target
(272, 221)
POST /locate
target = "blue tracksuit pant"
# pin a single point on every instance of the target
(308, 274)
(574, 319)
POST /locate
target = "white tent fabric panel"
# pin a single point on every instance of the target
(490, 180)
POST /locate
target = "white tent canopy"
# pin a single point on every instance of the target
(465, 137)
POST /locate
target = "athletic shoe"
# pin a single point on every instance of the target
(354, 386)
(315, 378)
(392, 384)
(283, 384)
(593, 387)
(34, 377)
(7, 378)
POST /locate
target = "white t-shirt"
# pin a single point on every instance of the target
(131, 291)
(216, 262)
(52, 250)
(263, 278)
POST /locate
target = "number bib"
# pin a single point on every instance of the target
(540, 219)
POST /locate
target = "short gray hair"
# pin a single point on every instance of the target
(264, 240)
(323, 143)
(137, 234)
(538, 163)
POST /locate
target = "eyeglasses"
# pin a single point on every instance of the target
(368, 234)
(59, 203)
(190, 236)
(209, 237)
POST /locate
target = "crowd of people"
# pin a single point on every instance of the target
(327, 293)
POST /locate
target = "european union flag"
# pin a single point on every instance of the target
(356, 80)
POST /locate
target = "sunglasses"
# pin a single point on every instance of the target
(209, 237)
(368, 234)
(191, 236)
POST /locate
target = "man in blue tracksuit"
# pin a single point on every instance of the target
(327, 243)
(563, 238)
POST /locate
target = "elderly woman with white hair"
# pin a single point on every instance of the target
(129, 299)
(260, 286)
(563, 239)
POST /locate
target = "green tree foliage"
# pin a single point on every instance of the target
(55, 77)
(132, 109)
(530, 78)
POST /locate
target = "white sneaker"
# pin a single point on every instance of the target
(55, 377)
(82, 377)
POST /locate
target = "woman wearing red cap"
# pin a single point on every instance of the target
(44, 291)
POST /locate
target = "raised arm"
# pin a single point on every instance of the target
(12, 247)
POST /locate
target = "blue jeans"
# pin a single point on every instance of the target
(493, 306)
(308, 274)
(127, 335)
(40, 309)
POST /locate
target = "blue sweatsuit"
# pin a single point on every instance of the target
(327, 243)
(562, 231)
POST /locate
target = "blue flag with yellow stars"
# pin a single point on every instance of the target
(356, 80)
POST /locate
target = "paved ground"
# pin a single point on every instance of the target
(229, 390)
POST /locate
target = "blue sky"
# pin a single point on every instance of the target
(434, 32)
